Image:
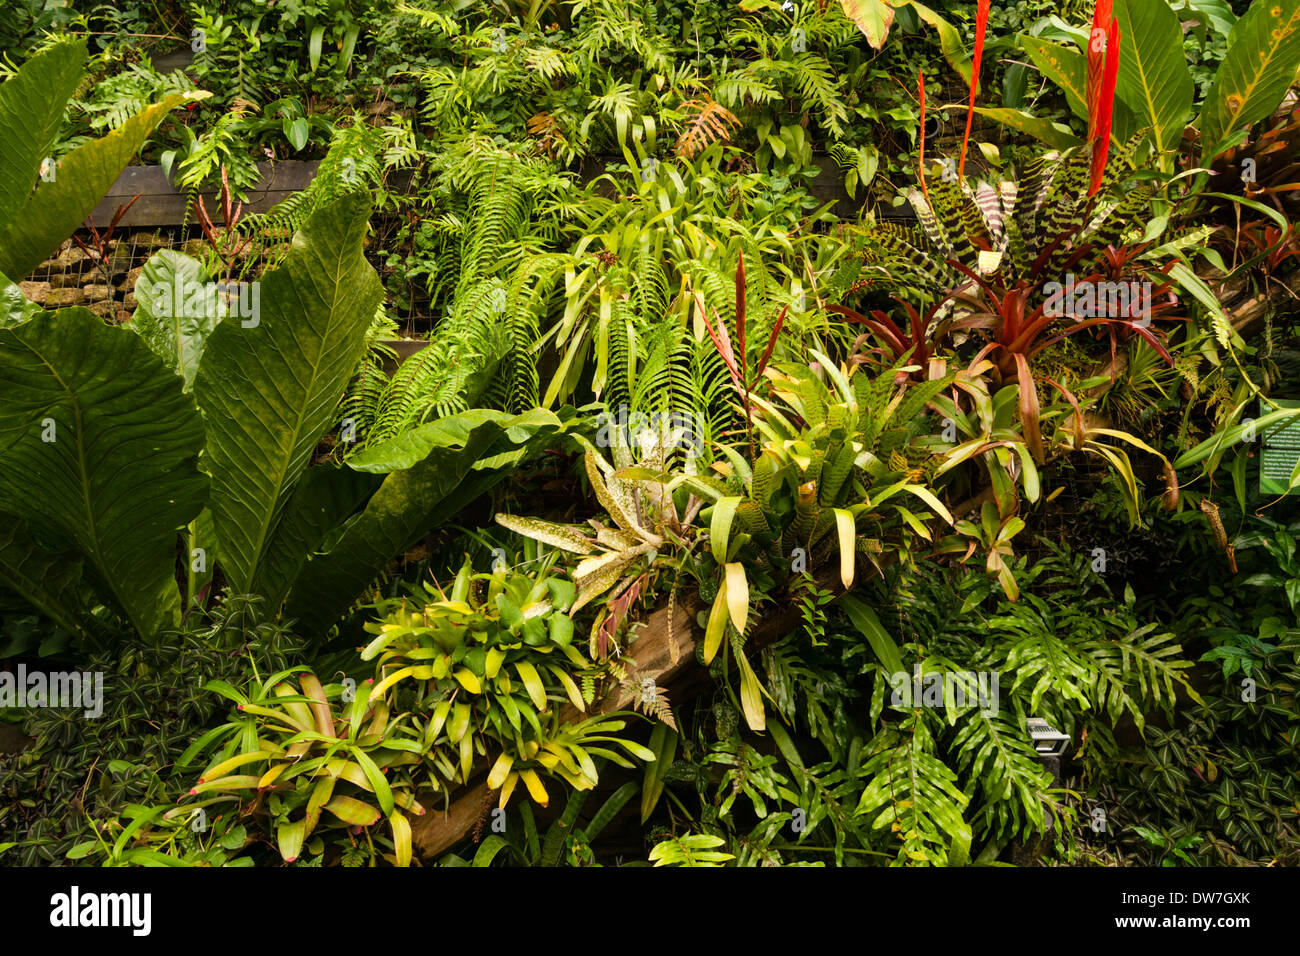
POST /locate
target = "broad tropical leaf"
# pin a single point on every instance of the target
(33, 224)
(48, 581)
(1255, 74)
(98, 448)
(433, 471)
(31, 111)
(270, 391)
(1154, 80)
(175, 326)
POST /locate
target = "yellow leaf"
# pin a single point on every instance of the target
(500, 770)
(534, 785)
(532, 683)
(847, 534)
(492, 662)
(717, 624)
(751, 700)
(270, 776)
(401, 837)
(467, 680)
(570, 688)
(507, 789)
(737, 595)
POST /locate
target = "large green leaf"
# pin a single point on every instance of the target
(432, 472)
(15, 308)
(1068, 69)
(1044, 130)
(31, 111)
(269, 391)
(1255, 74)
(56, 209)
(98, 448)
(321, 502)
(46, 579)
(176, 310)
(1154, 80)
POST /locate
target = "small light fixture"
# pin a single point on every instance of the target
(1048, 741)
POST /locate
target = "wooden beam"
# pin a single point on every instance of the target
(161, 205)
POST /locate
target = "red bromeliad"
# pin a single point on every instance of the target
(738, 366)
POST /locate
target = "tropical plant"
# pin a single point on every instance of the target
(62, 797)
(1154, 85)
(268, 385)
(33, 222)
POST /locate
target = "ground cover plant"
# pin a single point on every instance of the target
(818, 433)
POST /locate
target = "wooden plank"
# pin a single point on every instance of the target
(161, 205)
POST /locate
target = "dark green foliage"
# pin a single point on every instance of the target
(81, 772)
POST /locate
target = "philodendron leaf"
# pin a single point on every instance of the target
(98, 447)
(15, 308)
(321, 502)
(432, 472)
(47, 580)
(176, 310)
(60, 204)
(269, 384)
(32, 102)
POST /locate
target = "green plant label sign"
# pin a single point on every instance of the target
(1280, 455)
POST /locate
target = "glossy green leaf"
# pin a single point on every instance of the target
(98, 450)
(175, 326)
(269, 385)
(1255, 74)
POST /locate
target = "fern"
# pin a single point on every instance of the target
(709, 122)
(351, 163)
(915, 794)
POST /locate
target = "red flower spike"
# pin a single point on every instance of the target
(920, 163)
(981, 22)
(771, 341)
(1098, 42)
(1106, 108)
